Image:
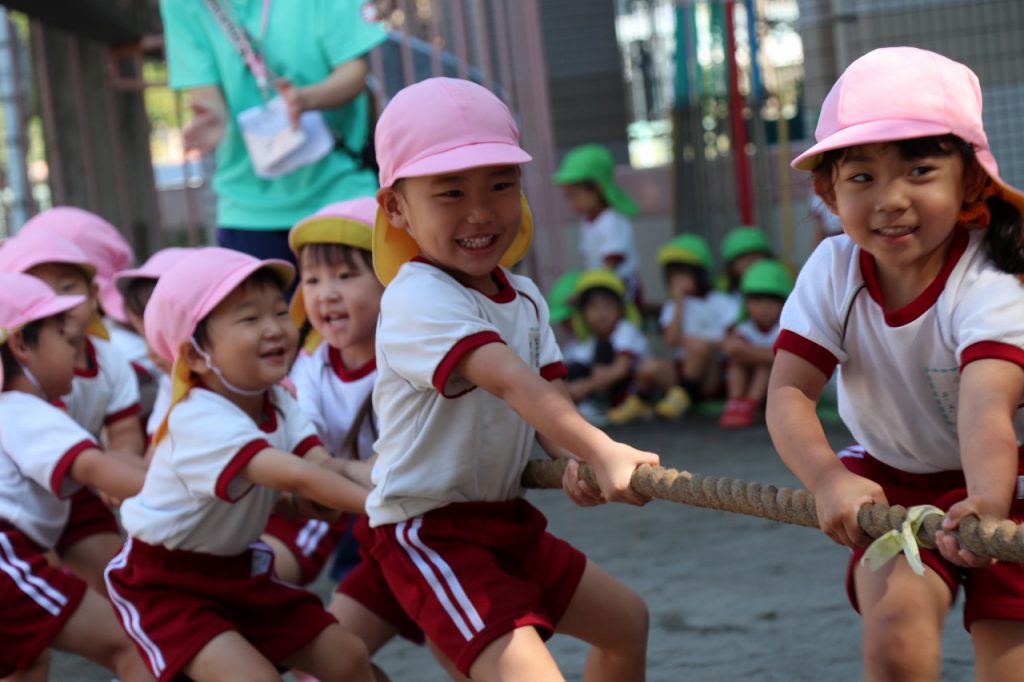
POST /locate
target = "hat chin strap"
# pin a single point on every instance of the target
(32, 379)
(238, 390)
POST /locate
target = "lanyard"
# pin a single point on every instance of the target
(240, 41)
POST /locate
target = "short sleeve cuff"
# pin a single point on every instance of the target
(455, 355)
(63, 468)
(130, 411)
(791, 342)
(991, 350)
(307, 444)
(244, 455)
(556, 370)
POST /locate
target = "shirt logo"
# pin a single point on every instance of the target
(535, 347)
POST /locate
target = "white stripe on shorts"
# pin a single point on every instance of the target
(428, 561)
(41, 592)
(130, 618)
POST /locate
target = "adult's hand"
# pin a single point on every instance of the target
(209, 120)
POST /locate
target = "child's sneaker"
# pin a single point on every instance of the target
(739, 414)
(593, 413)
(630, 409)
(675, 403)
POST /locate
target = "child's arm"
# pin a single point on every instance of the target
(578, 490)
(286, 472)
(741, 350)
(603, 377)
(119, 476)
(353, 469)
(126, 435)
(672, 333)
(498, 370)
(799, 438)
(990, 391)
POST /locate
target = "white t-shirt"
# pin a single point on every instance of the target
(441, 439)
(899, 371)
(626, 339)
(38, 444)
(330, 396)
(707, 318)
(106, 393)
(755, 336)
(193, 498)
(609, 234)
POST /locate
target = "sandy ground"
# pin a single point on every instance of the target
(731, 597)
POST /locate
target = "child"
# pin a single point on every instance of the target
(561, 304)
(465, 361)
(104, 398)
(190, 586)
(926, 327)
(742, 247)
(601, 365)
(135, 287)
(336, 304)
(694, 322)
(750, 346)
(44, 457)
(587, 177)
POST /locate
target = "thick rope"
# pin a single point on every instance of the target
(1002, 540)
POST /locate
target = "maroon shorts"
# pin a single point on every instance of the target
(172, 603)
(88, 516)
(365, 583)
(989, 593)
(311, 541)
(469, 573)
(36, 600)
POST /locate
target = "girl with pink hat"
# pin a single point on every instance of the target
(104, 396)
(469, 374)
(44, 457)
(193, 586)
(920, 307)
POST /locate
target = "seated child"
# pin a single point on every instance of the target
(135, 287)
(602, 361)
(694, 322)
(561, 303)
(104, 397)
(193, 586)
(742, 247)
(44, 457)
(750, 345)
(587, 177)
(468, 369)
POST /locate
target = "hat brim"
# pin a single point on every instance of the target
(113, 301)
(1007, 192)
(870, 132)
(464, 158)
(616, 197)
(330, 230)
(393, 247)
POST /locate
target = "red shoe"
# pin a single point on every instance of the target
(738, 414)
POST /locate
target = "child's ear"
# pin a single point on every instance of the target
(391, 202)
(827, 191)
(19, 349)
(195, 362)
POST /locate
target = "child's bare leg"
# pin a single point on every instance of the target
(229, 657)
(94, 633)
(334, 655)
(518, 655)
(39, 672)
(998, 650)
(736, 379)
(88, 558)
(446, 663)
(286, 566)
(654, 375)
(614, 620)
(902, 619)
(758, 387)
(362, 622)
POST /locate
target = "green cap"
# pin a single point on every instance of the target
(743, 240)
(688, 249)
(560, 297)
(594, 163)
(767, 278)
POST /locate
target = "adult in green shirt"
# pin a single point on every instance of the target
(317, 49)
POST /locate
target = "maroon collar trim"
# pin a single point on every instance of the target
(92, 368)
(927, 298)
(345, 374)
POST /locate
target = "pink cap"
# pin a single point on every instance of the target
(26, 250)
(25, 299)
(188, 291)
(442, 125)
(105, 247)
(154, 268)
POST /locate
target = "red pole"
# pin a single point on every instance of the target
(741, 164)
